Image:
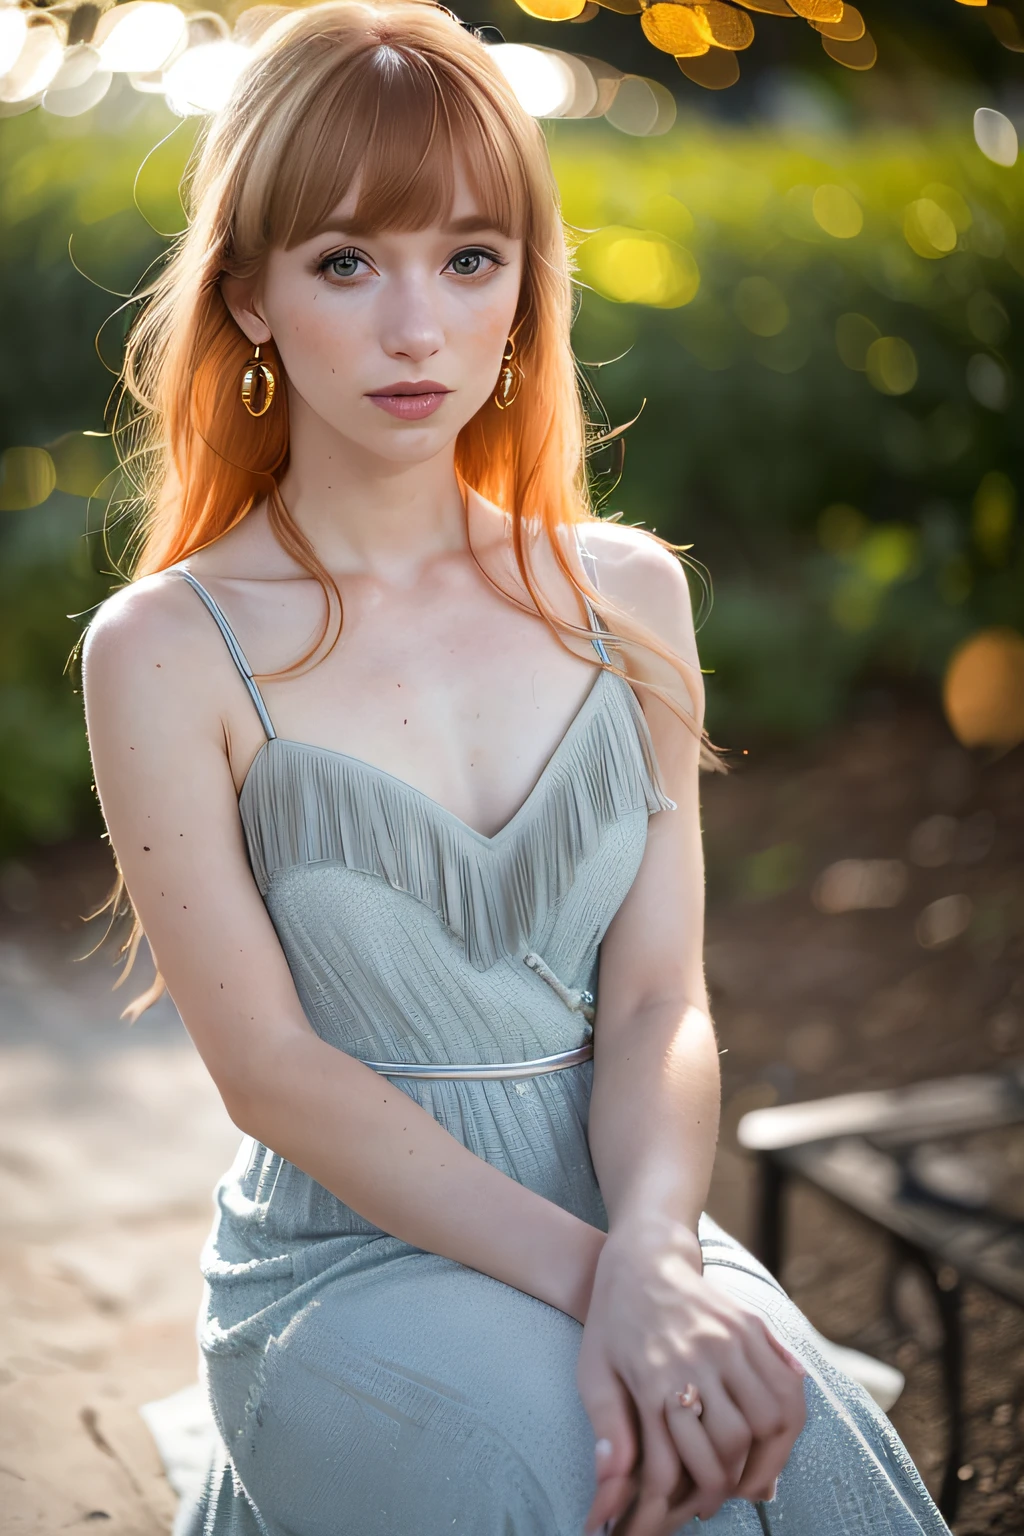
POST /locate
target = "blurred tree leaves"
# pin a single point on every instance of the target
(66, 199)
(853, 339)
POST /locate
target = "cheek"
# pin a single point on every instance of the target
(324, 347)
(314, 333)
(488, 330)
(494, 334)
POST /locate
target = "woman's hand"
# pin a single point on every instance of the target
(654, 1325)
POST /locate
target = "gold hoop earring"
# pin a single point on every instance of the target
(258, 386)
(510, 379)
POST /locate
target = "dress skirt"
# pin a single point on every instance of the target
(418, 1397)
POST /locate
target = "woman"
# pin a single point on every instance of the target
(458, 1277)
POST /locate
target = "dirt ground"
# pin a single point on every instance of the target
(111, 1137)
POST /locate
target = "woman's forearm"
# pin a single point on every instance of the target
(373, 1147)
(654, 1113)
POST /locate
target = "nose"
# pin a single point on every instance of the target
(411, 329)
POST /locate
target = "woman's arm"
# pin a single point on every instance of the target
(154, 683)
(655, 1324)
(654, 1043)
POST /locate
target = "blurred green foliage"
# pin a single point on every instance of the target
(831, 420)
(824, 329)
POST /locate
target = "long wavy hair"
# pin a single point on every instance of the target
(386, 95)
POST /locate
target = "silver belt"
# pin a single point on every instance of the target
(499, 1068)
(578, 1002)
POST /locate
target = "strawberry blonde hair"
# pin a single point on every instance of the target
(389, 95)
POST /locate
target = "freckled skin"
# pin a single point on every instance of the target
(394, 310)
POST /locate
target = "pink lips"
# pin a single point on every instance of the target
(410, 402)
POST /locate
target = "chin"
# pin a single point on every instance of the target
(407, 443)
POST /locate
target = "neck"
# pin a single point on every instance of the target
(368, 516)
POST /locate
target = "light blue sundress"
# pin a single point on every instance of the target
(363, 1387)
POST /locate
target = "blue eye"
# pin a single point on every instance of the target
(342, 264)
(470, 262)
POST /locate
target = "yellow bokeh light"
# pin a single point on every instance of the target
(928, 229)
(27, 476)
(993, 514)
(730, 28)
(715, 70)
(950, 201)
(552, 10)
(983, 691)
(837, 212)
(633, 266)
(855, 336)
(889, 553)
(849, 28)
(761, 307)
(818, 10)
(861, 54)
(891, 365)
(668, 216)
(681, 30)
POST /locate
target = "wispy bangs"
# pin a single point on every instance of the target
(395, 123)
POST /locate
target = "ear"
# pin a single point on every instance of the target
(241, 298)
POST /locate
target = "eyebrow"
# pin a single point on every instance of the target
(470, 224)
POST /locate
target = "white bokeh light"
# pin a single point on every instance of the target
(203, 78)
(40, 57)
(73, 100)
(542, 81)
(138, 37)
(13, 28)
(80, 64)
(584, 96)
(635, 108)
(995, 136)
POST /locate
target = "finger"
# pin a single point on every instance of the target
(783, 1378)
(712, 1484)
(728, 1431)
(786, 1353)
(764, 1464)
(773, 1434)
(611, 1501)
(780, 1414)
(756, 1400)
(660, 1472)
(768, 1354)
(616, 1444)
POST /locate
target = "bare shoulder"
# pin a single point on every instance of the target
(646, 580)
(146, 656)
(136, 619)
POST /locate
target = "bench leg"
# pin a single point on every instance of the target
(949, 1304)
(768, 1234)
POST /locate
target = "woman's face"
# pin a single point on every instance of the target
(393, 340)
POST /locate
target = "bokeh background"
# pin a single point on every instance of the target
(811, 288)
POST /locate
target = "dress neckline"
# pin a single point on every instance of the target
(373, 771)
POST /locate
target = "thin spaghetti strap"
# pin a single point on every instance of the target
(235, 650)
(590, 566)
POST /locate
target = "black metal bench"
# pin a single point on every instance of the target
(864, 1149)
